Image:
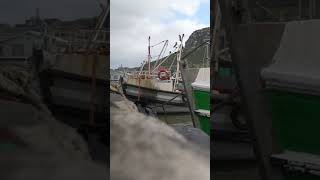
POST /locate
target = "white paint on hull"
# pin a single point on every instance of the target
(203, 112)
(156, 84)
(156, 95)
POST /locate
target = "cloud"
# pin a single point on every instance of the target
(133, 21)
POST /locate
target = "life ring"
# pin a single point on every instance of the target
(165, 77)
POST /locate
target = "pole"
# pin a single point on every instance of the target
(187, 94)
(149, 57)
(184, 80)
(178, 68)
(263, 143)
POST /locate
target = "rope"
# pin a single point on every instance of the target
(158, 43)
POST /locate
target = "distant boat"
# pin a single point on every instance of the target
(73, 76)
(157, 85)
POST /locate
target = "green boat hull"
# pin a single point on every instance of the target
(204, 123)
(202, 103)
(296, 123)
(296, 119)
(202, 99)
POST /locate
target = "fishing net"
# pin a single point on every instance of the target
(144, 148)
(30, 120)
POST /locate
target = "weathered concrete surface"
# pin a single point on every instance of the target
(144, 148)
(33, 144)
(43, 132)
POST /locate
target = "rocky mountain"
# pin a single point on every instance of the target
(197, 38)
(197, 58)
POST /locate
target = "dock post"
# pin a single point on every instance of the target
(187, 93)
(244, 41)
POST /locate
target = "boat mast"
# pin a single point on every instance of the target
(149, 57)
(178, 62)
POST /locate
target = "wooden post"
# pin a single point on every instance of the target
(188, 94)
(259, 124)
(149, 59)
(213, 8)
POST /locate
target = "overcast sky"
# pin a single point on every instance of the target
(132, 21)
(16, 11)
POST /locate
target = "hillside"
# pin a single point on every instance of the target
(198, 37)
(197, 58)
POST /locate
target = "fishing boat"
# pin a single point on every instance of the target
(73, 74)
(291, 87)
(157, 85)
(76, 82)
(201, 95)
